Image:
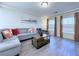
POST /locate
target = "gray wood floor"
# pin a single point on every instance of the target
(56, 47)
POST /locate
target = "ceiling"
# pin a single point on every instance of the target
(35, 9)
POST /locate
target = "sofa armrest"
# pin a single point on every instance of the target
(8, 44)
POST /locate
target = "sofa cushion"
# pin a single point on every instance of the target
(26, 35)
(8, 44)
(7, 34)
(23, 30)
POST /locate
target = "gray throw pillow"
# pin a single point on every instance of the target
(1, 38)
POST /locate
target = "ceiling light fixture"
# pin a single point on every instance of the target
(44, 4)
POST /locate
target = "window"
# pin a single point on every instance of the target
(51, 26)
(68, 27)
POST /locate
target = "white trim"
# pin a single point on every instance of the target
(67, 12)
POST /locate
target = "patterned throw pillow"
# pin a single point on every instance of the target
(1, 38)
(7, 34)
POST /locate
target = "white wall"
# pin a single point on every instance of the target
(12, 19)
(44, 22)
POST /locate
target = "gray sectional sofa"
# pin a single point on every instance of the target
(10, 47)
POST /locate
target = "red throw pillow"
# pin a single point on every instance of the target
(15, 31)
(6, 34)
